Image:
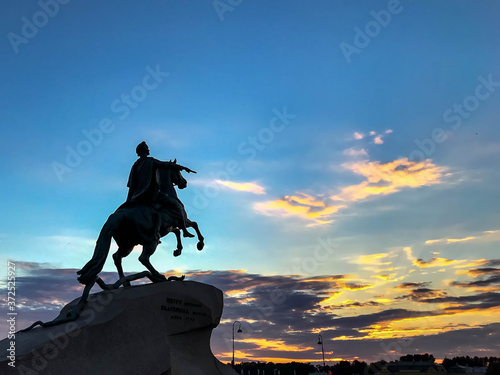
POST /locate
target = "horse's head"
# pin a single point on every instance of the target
(177, 178)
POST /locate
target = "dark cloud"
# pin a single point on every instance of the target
(413, 285)
(483, 271)
(283, 311)
(354, 286)
(367, 320)
(354, 305)
(493, 280)
(420, 294)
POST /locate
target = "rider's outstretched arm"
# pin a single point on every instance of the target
(171, 165)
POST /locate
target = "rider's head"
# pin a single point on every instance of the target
(142, 149)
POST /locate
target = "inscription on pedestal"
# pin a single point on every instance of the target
(182, 310)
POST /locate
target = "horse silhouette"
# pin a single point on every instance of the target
(140, 224)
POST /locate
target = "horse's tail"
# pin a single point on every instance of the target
(89, 272)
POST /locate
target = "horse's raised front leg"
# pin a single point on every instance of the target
(177, 233)
(117, 258)
(201, 239)
(147, 251)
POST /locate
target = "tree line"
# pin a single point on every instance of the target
(362, 368)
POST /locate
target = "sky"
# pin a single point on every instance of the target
(346, 155)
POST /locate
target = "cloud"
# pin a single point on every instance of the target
(450, 240)
(440, 262)
(433, 262)
(377, 138)
(413, 285)
(357, 135)
(380, 179)
(475, 272)
(301, 205)
(419, 291)
(250, 187)
(371, 259)
(367, 320)
(389, 178)
(355, 152)
(280, 314)
(489, 235)
(354, 305)
(492, 280)
(488, 300)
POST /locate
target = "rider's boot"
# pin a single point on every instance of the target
(185, 232)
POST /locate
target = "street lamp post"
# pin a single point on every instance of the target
(320, 342)
(239, 331)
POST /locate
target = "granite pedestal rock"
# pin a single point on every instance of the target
(152, 329)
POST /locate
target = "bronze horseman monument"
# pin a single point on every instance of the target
(158, 328)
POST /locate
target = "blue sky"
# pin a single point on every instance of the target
(295, 142)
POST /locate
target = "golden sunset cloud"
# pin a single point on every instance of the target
(389, 178)
(300, 205)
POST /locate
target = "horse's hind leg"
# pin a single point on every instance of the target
(147, 251)
(201, 239)
(177, 233)
(117, 258)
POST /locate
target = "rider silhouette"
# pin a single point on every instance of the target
(144, 189)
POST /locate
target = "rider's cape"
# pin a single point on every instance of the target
(140, 180)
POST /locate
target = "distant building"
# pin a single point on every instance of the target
(457, 370)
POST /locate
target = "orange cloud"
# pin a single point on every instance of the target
(439, 262)
(352, 286)
(250, 187)
(278, 345)
(471, 263)
(389, 178)
(412, 285)
(431, 242)
(330, 279)
(475, 272)
(450, 240)
(487, 235)
(300, 205)
(371, 259)
(387, 277)
(331, 297)
(433, 262)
